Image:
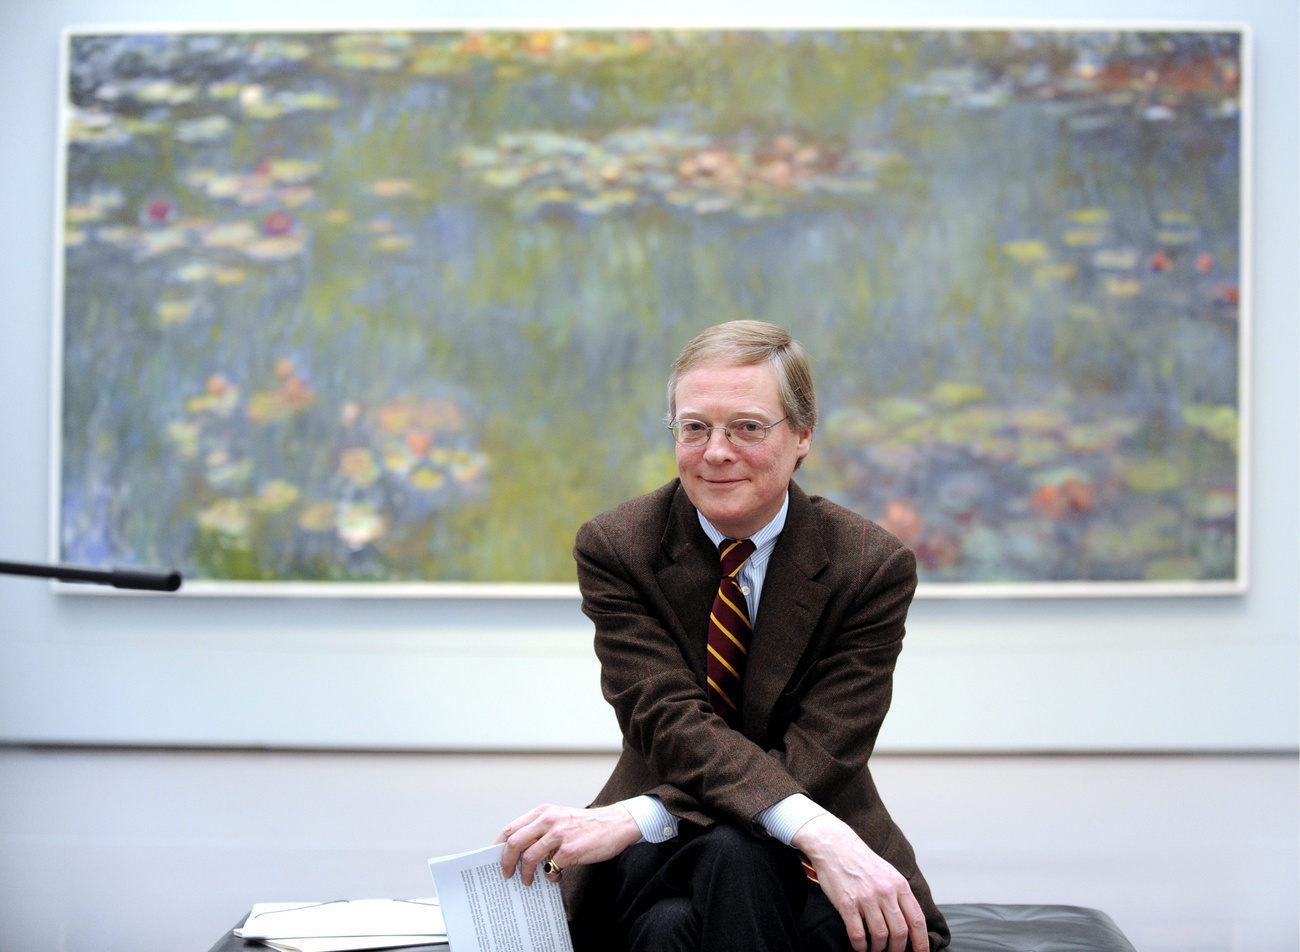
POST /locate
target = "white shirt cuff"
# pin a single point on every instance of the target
(783, 820)
(656, 823)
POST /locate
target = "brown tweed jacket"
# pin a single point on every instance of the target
(817, 684)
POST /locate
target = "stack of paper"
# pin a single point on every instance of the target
(489, 913)
(345, 924)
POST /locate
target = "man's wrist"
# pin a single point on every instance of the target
(652, 818)
(784, 819)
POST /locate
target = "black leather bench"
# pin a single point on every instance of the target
(991, 927)
(976, 927)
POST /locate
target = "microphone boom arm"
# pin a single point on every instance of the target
(151, 580)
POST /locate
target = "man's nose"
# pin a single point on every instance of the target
(717, 444)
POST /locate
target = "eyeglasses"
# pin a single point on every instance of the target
(739, 432)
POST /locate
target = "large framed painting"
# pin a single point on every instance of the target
(390, 310)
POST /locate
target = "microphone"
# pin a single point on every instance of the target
(140, 579)
(149, 580)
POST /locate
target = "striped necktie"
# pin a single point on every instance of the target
(729, 630)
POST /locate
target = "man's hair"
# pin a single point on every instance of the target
(744, 344)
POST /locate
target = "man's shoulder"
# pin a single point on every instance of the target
(640, 514)
(824, 529)
(834, 518)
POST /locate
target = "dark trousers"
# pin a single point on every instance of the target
(718, 889)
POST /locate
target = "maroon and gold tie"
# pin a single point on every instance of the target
(729, 629)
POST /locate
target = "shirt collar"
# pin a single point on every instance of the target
(764, 539)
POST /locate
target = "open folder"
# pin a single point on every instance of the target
(345, 924)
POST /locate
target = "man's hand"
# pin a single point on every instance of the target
(874, 899)
(567, 836)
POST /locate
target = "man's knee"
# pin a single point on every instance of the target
(670, 925)
(739, 853)
(729, 838)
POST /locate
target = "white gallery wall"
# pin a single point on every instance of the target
(1142, 674)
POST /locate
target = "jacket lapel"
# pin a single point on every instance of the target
(689, 580)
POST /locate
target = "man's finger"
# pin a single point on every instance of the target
(535, 855)
(515, 842)
(857, 935)
(527, 867)
(509, 855)
(877, 927)
(898, 926)
(518, 844)
(916, 926)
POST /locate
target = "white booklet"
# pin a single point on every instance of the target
(345, 924)
(485, 912)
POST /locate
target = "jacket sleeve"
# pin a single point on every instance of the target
(824, 727)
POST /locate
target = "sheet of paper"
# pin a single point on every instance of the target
(485, 912)
(355, 918)
(355, 944)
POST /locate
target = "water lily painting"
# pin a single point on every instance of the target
(391, 310)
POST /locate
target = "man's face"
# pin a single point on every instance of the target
(739, 489)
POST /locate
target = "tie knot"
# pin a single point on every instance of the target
(734, 555)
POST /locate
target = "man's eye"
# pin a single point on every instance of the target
(692, 426)
(747, 426)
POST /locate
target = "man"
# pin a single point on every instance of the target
(741, 814)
